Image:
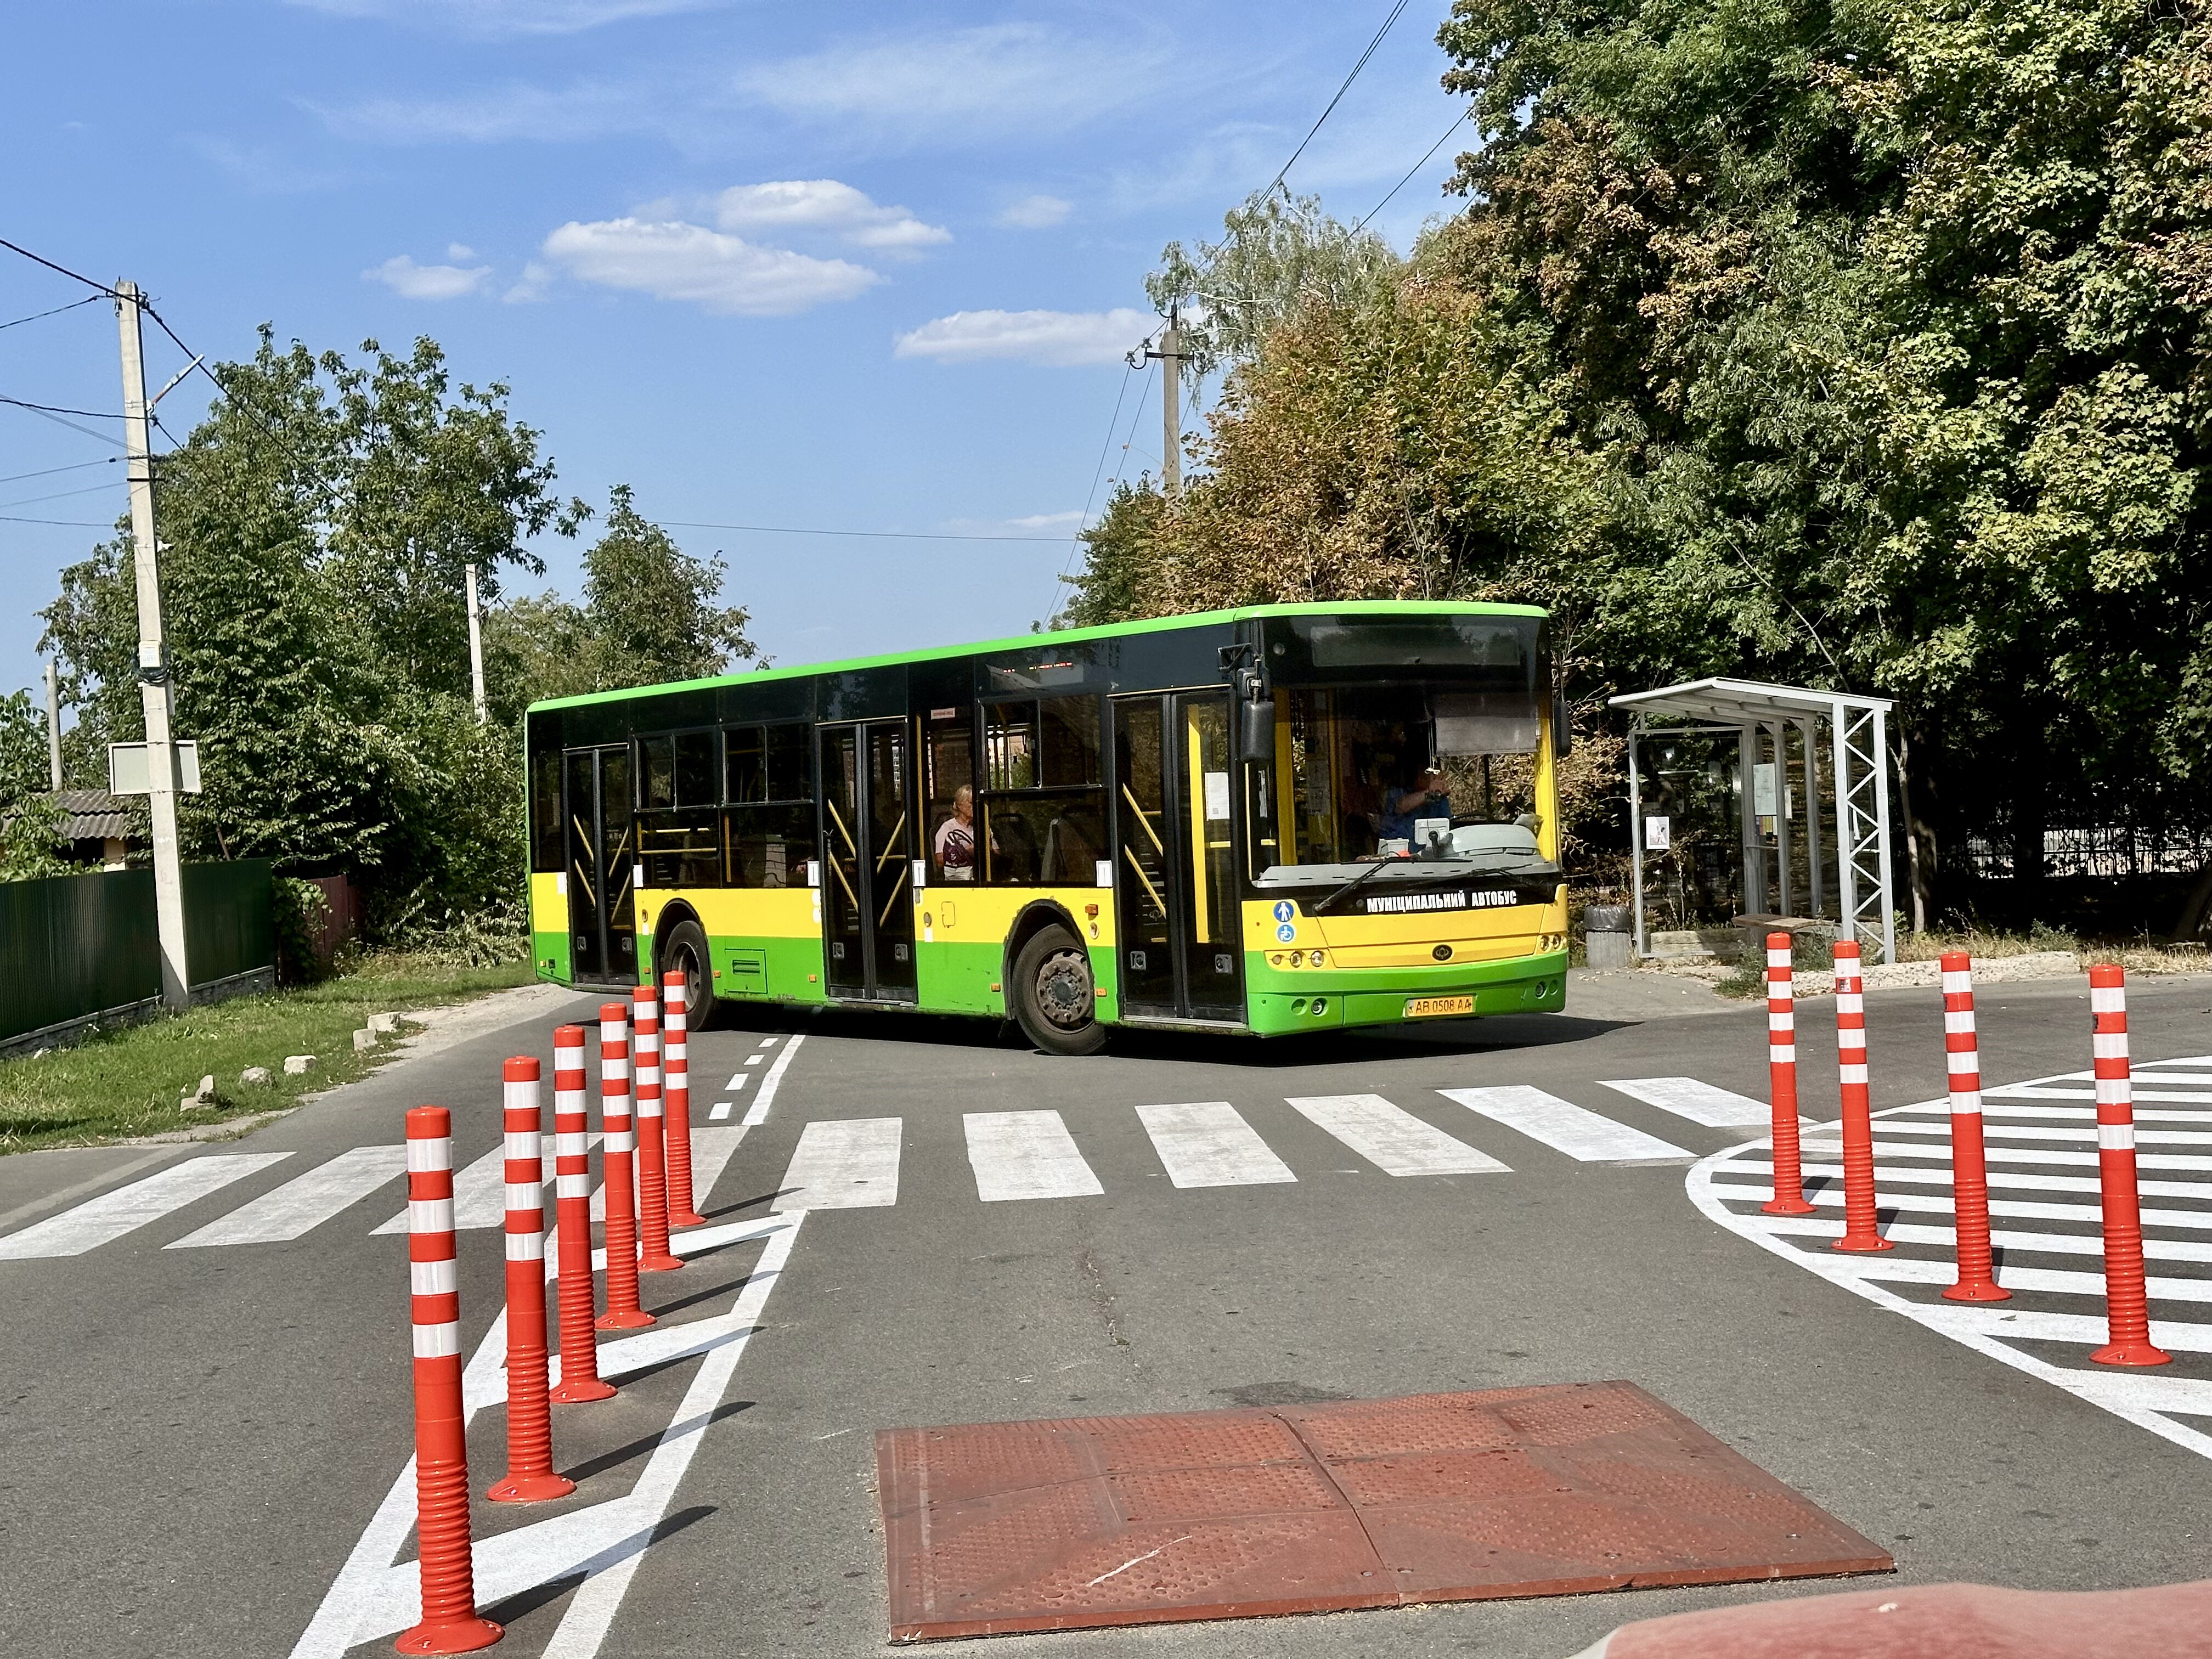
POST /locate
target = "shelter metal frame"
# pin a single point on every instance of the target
(1759, 714)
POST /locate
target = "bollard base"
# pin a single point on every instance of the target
(2131, 1353)
(530, 1489)
(659, 1264)
(687, 1219)
(1787, 1207)
(623, 1321)
(580, 1392)
(1869, 1244)
(449, 1635)
(1986, 1291)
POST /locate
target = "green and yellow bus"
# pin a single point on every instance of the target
(1281, 818)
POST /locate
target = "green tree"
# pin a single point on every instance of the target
(654, 606)
(1118, 551)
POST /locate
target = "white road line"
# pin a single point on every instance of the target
(1562, 1126)
(754, 1060)
(479, 1196)
(711, 1151)
(843, 1163)
(738, 1081)
(2026, 1325)
(1993, 1127)
(372, 1598)
(304, 1202)
(1906, 1233)
(2030, 1091)
(2010, 1209)
(767, 1043)
(2063, 1282)
(1391, 1138)
(722, 1110)
(1700, 1103)
(1208, 1143)
(771, 1083)
(2197, 1189)
(1940, 1150)
(1019, 1155)
(1996, 1109)
(98, 1220)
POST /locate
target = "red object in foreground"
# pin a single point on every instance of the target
(676, 1095)
(530, 1475)
(1934, 1621)
(2127, 1306)
(1782, 1080)
(572, 1213)
(450, 1624)
(1860, 1229)
(1970, 1177)
(655, 1256)
(1088, 1522)
(618, 1153)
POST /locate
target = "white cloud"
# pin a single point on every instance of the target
(1055, 339)
(531, 285)
(1035, 213)
(404, 277)
(671, 259)
(500, 18)
(459, 250)
(826, 206)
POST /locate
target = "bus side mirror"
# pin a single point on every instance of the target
(1256, 730)
(1562, 727)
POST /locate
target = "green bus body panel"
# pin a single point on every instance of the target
(554, 962)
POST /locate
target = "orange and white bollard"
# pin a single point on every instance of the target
(655, 1257)
(1782, 1081)
(2127, 1302)
(1970, 1178)
(1860, 1231)
(676, 1092)
(531, 1478)
(450, 1622)
(572, 1231)
(618, 1153)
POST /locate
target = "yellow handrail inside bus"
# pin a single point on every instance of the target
(1157, 900)
(838, 870)
(1145, 819)
(905, 871)
(830, 806)
(891, 842)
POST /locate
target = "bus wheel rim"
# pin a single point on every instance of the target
(1063, 990)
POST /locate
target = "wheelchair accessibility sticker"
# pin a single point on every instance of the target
(1286, 932)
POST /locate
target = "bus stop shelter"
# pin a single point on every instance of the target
(1769, 722)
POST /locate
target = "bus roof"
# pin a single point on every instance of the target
(1107, 630)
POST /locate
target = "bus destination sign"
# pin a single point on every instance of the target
(1459, 899)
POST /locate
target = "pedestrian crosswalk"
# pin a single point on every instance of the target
(1013, 1156)
(2042, 1165)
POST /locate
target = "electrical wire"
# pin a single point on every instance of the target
(1128, 367)
(885, 535)
(39, 259)
(48, 472)
(1371, 47)
(1414, 169)
(56, 312)
(80, 524)
(62, 495)
(58, 409)
(97, 437)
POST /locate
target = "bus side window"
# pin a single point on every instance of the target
(949, 751)
(656, 773)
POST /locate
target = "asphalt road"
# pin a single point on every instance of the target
(197, 1437)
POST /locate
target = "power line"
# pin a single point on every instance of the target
(80, 524)
(1340, 91)
(39, 259)
(886, 535)
(1128, 367)
(97, 437)
(48, 472)
(62, 495)
(56, 312)
(58, 409)
(1414, 169)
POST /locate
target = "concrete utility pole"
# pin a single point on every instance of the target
(475, 647)
(53, 725)
(155, 692)
(1170, 355)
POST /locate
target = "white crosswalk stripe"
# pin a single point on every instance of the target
(1562, 1126)
(103, 1219)
(843, 1163)
(479, 1194)
(1700, 1103)
(305, 1201)
(1208, 1144)
(1391, 1138)
(2055, 1312)
(1019, 1155)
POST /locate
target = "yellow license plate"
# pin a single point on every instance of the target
(1419, 1007)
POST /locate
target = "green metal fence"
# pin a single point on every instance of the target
(73, 946)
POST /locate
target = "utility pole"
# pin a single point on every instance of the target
(1170, 355)
(155, 692)
(53, 725)
(475, 647)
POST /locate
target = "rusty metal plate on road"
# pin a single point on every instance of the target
(1083, 1521)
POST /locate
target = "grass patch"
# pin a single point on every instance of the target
(129, 1082)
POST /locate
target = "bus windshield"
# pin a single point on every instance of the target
(1438, 774)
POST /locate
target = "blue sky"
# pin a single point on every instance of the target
(836, 265)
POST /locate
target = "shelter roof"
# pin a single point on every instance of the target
(1744, 702)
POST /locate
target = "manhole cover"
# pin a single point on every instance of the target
(1091, 1521)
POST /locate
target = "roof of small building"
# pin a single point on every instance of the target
(95, 815)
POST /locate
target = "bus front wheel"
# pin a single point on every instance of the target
(1053, 996)
(685, 949)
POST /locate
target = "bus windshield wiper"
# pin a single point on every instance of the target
(1365, 875)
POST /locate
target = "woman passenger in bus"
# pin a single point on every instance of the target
(956, 838)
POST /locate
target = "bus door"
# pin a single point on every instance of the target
(1174, 887)
(602, 849)
(868, 843)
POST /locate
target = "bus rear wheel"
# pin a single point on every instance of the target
(1053, 996)
(684, 950)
